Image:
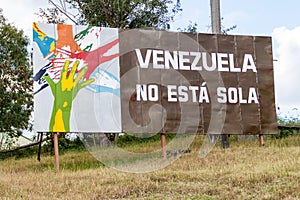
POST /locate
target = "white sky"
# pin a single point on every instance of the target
(279, 19)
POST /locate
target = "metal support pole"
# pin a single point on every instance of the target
(163, 145)
(225, 141)
(40, 137)
(56, 154)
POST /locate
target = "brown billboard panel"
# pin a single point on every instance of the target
(250, 120)
(196, 83)
(265, 78)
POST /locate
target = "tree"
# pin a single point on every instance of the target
(115, 13)
(15, 82)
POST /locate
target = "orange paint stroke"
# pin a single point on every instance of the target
(65, 38)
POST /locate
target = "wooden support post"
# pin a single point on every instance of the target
(163, 145)
(261, 140)
(40, 137)
(56, 155)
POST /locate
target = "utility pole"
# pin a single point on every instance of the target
(216, 28)
(215, 16)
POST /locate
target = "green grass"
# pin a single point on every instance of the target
(244, 171)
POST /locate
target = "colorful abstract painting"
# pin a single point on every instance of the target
(76, 78)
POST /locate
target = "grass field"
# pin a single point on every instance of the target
(244, 171)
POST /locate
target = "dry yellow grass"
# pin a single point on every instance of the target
(244, 171)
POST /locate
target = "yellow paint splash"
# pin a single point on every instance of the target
(58, 122)
(65, 104)
(39, 31)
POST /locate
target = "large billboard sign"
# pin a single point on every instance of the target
(94, 79)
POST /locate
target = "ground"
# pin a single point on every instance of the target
(243, 171)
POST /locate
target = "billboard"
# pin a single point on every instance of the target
(95, 79)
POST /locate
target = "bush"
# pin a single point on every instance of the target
(64, 144)
(127, 139)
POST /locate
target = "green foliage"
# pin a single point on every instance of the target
(15, 82)
(225, 30)
(21, 153)
(128, 140)
(52, 15)
(116, 13)
(64, 144)
(191, 28)
(285, 132)
(289, 129)
(290, 120)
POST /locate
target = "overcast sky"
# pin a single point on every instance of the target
(279, 19)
